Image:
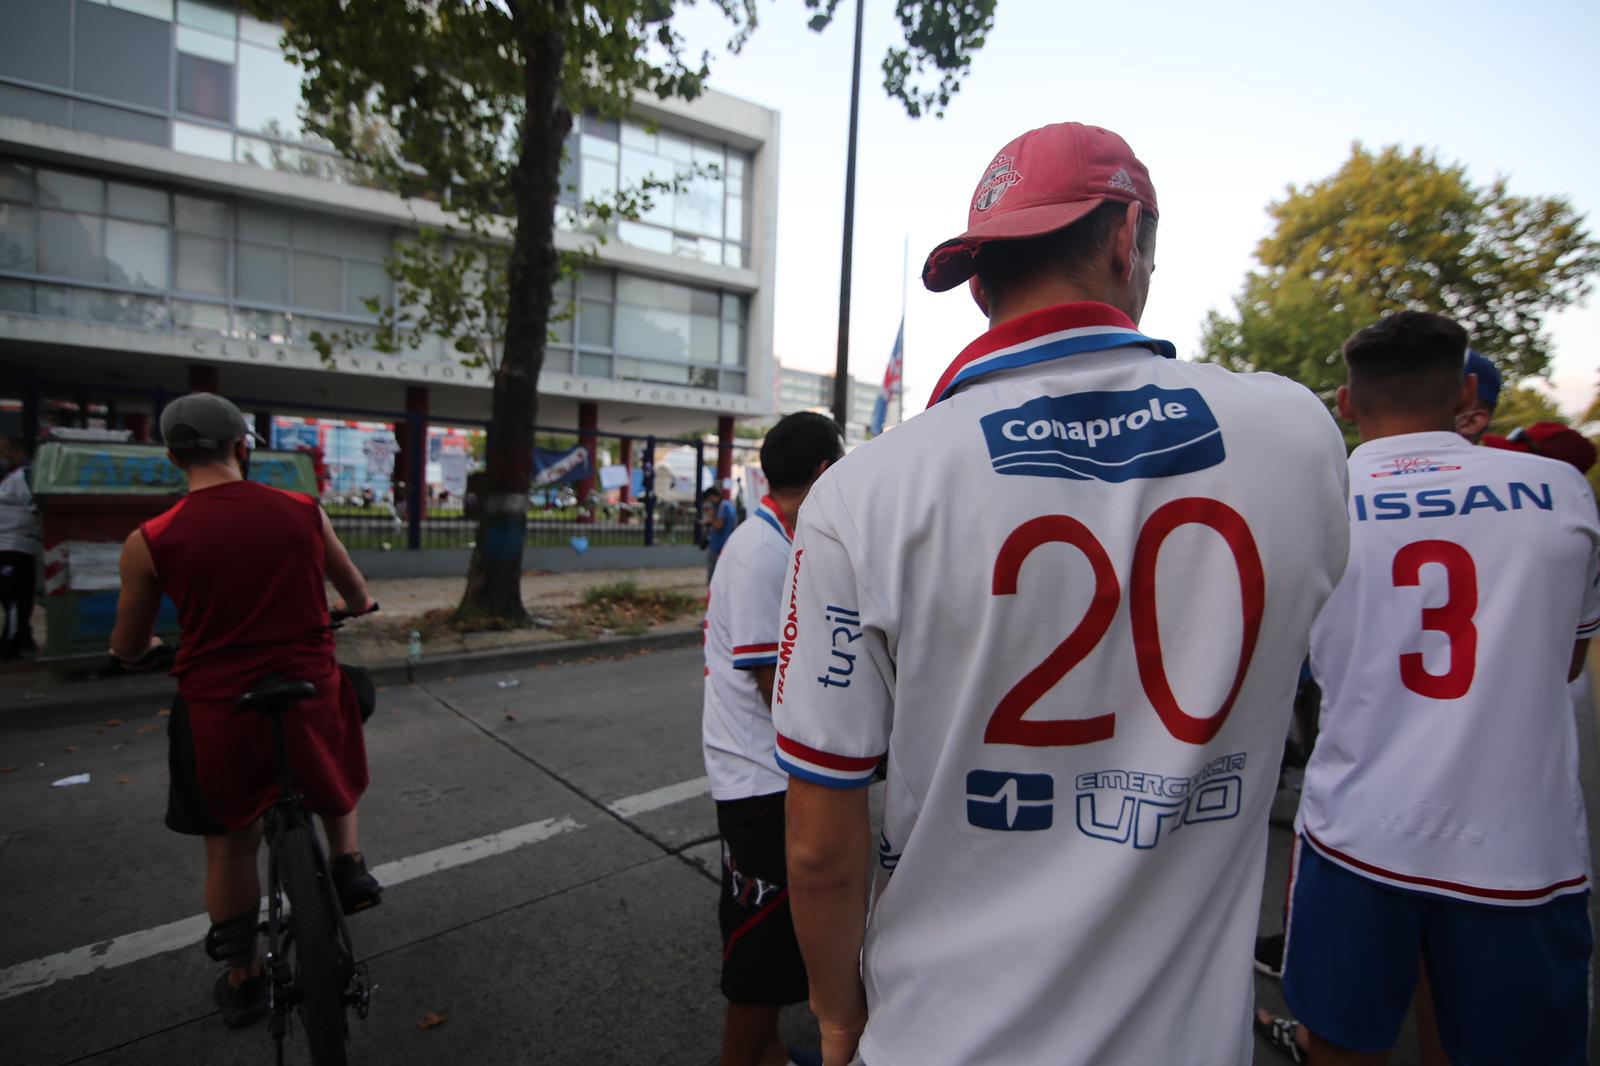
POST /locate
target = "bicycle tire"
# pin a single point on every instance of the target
(316, 962)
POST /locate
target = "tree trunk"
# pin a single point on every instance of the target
(494, 575)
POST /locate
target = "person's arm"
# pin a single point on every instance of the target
(829, 857)
(763, 676)
(138, 602)
(716, 518)
(1580, 651)
(341, 571)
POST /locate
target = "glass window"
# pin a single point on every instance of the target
(732, 255)
(594, 325)
(598, 175)
(46, 108)
(257, 223)
(652, 332)
(34, 44)
(53, 300)
(205, 45)
(364, 280)
(647, 292)
(567, 193)
(318, 282)
(200, 216)
(156, 9)
(202, 140)
(205, 87)
(701, 377)
(137, 254)
(735, 219)
(120, 122)
(16, 238)
(16, 296)
(324, 233)
(197, 316)
(604, 128)
(269, 93)
(594, 366)
(71, 245)
(561, 328)
(732, 382)
(16, 182)
(215, 18)
(136, 202)
(71, 191)
(635, 169)
(648, 238)
(262, 273)
(704, 331)
(596, 284)
(122, 56)
(732, 308)
(265, 325)
(736, 165)
(675, 147)
(732, 344)
(202, 264)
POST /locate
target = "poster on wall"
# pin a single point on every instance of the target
(380, 452)
(556, 468)
(453, 472)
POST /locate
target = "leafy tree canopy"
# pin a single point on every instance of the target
(1395, 230)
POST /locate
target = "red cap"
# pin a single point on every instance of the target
(1551, 440)
(1043, 181)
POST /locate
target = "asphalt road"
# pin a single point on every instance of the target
(550, 849)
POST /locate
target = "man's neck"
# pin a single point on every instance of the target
(1053, 293)
(1372, 429)
(212, 475)
(788, 503)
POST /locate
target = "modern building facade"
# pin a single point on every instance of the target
(807, 390)
(167, 224)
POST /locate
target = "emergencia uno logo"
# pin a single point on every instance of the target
(1010, 803)
(1148, 432)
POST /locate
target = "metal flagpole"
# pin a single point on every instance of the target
(841, 367)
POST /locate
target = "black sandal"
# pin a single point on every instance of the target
(1279, 1032)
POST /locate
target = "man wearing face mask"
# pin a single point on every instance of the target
(245, 565)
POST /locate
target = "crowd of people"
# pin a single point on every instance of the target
(1078, 694)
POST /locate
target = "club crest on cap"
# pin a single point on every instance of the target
(996, 180)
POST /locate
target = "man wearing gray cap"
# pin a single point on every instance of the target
(245, 566)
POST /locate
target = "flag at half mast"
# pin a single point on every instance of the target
(891, 381)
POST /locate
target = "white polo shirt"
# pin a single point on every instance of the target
(1071, 601)
(1447, 760)
(741, 633)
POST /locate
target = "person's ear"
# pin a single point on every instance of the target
(1125, 249)
(1468, 398)
(979, 296)
(1347, 409)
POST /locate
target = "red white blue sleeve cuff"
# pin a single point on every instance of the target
(1589, 628)
(750, 656)
(824, 768)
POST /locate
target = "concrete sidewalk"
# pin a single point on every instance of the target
(32, 695)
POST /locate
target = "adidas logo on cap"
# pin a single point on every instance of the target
(1121, 180)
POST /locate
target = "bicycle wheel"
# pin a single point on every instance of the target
(316, 965)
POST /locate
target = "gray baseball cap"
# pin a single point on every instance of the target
(202, 420)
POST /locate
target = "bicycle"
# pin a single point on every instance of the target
(310, 960)
(324, 978)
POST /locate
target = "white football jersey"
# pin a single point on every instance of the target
(741, 633)
(1447, 760)
(1071, 601)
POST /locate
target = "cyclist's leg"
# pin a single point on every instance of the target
(356, 887)
(233, 887)
(341, 832)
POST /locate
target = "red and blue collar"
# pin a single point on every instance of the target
(1053, 333)
(770, 513)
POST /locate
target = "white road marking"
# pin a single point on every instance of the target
(655, 799)
(188, 932)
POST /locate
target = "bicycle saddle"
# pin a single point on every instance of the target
(276, 695)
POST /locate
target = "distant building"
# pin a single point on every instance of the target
(807, 390)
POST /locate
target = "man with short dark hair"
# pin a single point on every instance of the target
(1473, 422)
(245, 564)
(720, 524)
(1083, 687)
(761, 966)
(19, 549)
(1433, 823)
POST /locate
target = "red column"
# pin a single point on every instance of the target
(725, 452)
(588, 422)
(203, 378)
(138, 424)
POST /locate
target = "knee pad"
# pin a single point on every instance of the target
(234, 941)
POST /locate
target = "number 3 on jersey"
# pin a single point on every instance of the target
(1453, 618)
(1007, 724)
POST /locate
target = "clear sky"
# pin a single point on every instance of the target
(1227, 103)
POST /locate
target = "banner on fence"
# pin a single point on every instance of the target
(453, 472)
(560, 468)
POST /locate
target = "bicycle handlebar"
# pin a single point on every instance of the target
(338, 616)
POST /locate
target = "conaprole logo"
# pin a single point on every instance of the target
(1148, 432)
(791, 627)
(996, 180)
(1411, 464)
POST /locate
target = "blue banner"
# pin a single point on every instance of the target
(561, 468)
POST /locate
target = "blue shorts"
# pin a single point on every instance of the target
(1510, 984)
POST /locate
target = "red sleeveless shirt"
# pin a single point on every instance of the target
(243, 564)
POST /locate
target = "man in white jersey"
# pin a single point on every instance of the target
(1083, 687)
(1441, 815)
(761, 965)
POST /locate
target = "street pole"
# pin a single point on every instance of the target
(841, 368)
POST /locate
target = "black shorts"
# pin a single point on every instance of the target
(187, 809)
(761, 963)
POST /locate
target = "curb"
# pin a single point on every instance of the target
(90, 700)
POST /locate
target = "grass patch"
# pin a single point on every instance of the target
(623, 607)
